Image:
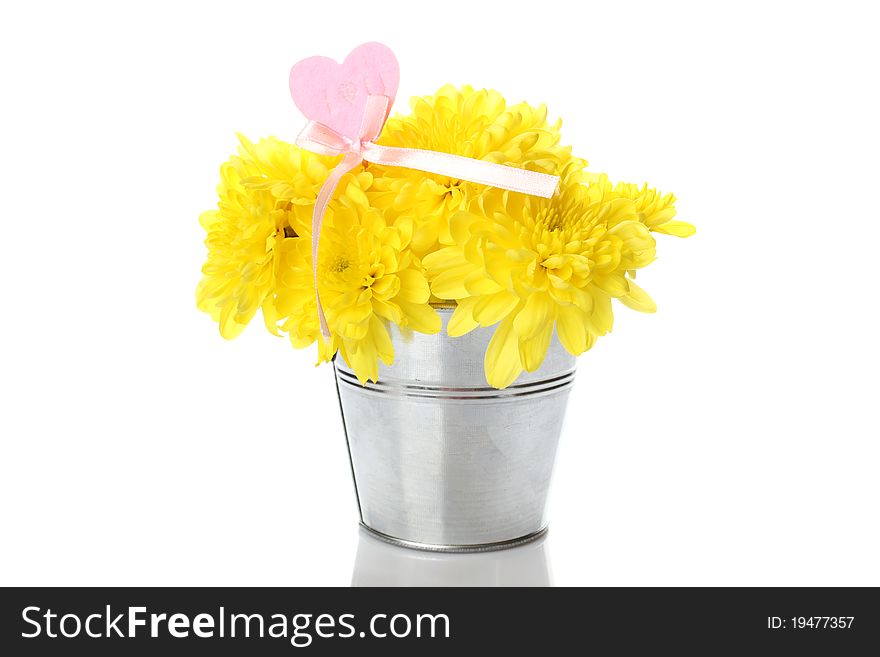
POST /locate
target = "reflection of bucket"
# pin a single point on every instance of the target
(380, 564)
(442, 461)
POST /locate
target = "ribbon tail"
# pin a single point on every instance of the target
(481, 172)
(349, 162)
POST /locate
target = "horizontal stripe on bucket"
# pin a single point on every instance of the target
(449, 547)
(427, 391)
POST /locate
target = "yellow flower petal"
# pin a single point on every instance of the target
(462, 320)
(571, 327)
(614, 284)
(532, 351)
(387, 287)
(386, 310)
(229, 328)
(327, 348)
(637, 299)
(601, 315)
(420, 317)
(493, 308)
(443, 260)
(270, 316)
(537, 313)
(382, 340)
(460, 226)
(362, 358)
(413, 287)
(676, 228)
(502, 363)
(450, 284)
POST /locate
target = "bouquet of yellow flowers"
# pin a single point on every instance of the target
(397, 242)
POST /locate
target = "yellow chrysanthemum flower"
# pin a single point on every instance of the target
(239, 274)
(532, 263)
(295, 299)
(293, 175)
(655, 210)
(367, 276)
(528, 264)
(473, 123)
(267, 192)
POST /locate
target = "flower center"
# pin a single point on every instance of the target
(453, 189)
(340, 264)
(555, 222)
(374, 274)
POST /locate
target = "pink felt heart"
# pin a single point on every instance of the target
(336, 94)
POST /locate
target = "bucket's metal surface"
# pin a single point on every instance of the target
(441, 461)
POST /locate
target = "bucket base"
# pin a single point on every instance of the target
(476, 547)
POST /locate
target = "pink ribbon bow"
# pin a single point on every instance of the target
(321, 139)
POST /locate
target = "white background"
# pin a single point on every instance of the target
(732, 438)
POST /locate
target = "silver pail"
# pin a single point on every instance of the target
(441, 460)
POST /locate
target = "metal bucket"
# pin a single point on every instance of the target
(441, 460)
